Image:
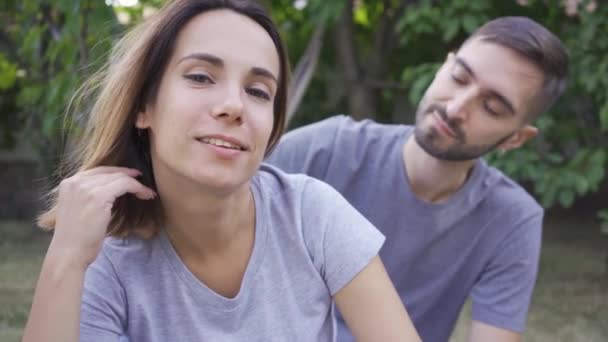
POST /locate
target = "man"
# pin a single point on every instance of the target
(455, 227)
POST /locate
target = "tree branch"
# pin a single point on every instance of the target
(304, 71)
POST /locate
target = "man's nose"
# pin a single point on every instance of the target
(459, 106)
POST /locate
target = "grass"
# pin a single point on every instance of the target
(22, 249)
(570, 300)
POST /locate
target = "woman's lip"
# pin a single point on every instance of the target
(221, 151)
(228, 139)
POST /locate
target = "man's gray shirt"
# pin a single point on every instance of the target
(483, 242)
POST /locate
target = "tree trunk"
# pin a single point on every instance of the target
(361, 97)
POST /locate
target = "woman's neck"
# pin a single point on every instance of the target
(204, 221)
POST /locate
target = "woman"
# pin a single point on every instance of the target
(205, 244)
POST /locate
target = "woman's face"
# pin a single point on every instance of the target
(213, 114)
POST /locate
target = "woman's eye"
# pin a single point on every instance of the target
(258, 93)
(199, 78)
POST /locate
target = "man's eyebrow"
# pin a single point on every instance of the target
(500, 97)
(465, 66)
(503, 99)
(264, 73)
(204, 57)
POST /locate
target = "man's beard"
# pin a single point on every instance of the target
(459, 151)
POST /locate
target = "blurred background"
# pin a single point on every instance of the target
(366, 58)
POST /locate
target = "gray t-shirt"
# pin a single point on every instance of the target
(483, 242)
(309, 243)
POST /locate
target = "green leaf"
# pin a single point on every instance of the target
(451, 30)
(419, 86)
(8, 73)
(469, 23)
(604, 117)
(361, 17)
(581, 184)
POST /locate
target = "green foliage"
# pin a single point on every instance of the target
(567, 161)
(8, 73)
(419, 77)
(52, 46)
(47, 47)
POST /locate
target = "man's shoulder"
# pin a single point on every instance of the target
(368, 127)
(281, 188)
(336, 143)
(507, 195)
(343, 127)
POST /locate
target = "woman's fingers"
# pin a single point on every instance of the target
(99, 180)
(121, 185)
(85, 204)
(109, 169)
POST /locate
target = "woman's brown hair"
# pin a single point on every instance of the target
(128, 81)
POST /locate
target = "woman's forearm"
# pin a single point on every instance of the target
(55, 313)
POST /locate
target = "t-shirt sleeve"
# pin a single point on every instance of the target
(341, 241)
(501, 297)
(307, 149)
(103, 311)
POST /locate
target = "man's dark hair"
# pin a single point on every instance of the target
(538, 45)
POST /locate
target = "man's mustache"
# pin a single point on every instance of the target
(444, 116)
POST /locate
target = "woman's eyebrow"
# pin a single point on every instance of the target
(258, 71)
(204, 57)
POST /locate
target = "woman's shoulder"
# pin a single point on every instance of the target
(274, 182)
(130, 250)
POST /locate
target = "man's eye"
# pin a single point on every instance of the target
(459, 80)
(258, 93)
(199, 78)
(491, 111)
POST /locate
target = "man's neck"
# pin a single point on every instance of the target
(431, 179)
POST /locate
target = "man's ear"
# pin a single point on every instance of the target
(519, 138)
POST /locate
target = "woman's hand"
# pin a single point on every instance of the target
(84, 209)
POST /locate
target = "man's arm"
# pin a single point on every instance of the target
(502, 295)
(481, 332)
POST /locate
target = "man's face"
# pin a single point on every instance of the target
(478, 101)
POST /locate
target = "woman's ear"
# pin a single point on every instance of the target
(142, 121)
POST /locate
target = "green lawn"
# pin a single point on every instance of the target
(570, 301)
(22, 248)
